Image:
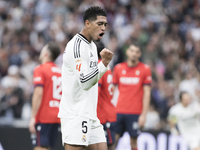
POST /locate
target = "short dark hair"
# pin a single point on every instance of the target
(92, 12)
(136, 44)
(54, 50)
(181, 95)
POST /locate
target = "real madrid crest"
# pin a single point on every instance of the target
(84, 138)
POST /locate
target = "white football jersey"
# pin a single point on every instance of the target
(80, 75)
(187, 118)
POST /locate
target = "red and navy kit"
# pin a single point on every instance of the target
(106, 111)
(46, 134)
(130, 82)
(48, 76)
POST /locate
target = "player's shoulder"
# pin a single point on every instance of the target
(79, 39)
(175, 108)
(71, 42)
(194, 105)
(143, 65)
(82, 38)
(55, 69)
(45, 66)
(120, 66)
(38, 68)
(75, 45)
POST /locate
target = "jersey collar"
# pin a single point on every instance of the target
(133, 66)
(83, 38)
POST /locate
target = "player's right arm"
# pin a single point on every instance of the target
(172, 121)
(37, 97)
(88, 78)
(36, 102)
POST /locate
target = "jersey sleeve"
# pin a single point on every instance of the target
(147, 78)
(87, 77)
(172, 115)
(38, 78)
(115, 76)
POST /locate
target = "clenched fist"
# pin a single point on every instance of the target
(106, 56)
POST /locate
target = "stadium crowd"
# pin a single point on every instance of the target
(168, 32)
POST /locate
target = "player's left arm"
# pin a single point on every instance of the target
(146, 96)
(146, 102)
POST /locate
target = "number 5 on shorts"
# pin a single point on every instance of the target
(84, 126)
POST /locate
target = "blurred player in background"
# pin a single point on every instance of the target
(44, 122)
(183, 118)
(106, 111)
(133, 79)
(81, 71)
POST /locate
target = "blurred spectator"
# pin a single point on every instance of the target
(14, 57)
(44, 9)
(191, 84)
(195, 32)
(16, 89)
(152, 119)
(121, 17)
(154, 10)
(185, 122)
(150, 53)
(27, 67)
(12, 102)
(13, 79)
(113, 46)
(186, 25)
(4, 63)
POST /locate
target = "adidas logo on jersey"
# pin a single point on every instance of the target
(91, 55)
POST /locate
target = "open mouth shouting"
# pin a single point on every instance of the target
(101, 35)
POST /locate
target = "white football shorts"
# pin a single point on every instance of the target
(81, 131)
(193, 141)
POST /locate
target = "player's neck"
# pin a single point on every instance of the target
(44, 61)
(86, 35)
(132, 64)
(184, 105)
